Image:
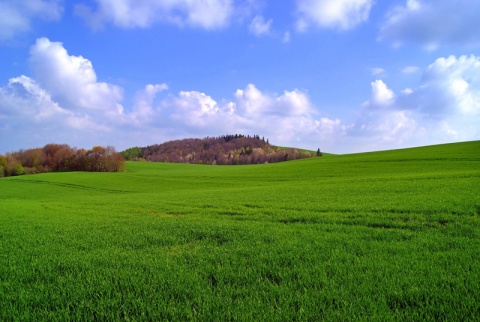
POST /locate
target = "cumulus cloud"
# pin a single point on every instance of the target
(20, 92)
(289, 118)
(331, 130)
(382, 124)
(207, 14)
(71, 80)
(29, 117)
(338, 14)
(65, 102)
(16, 16)
(286, 117)
(449, 85)
(143, 102)
(387, 129)
(431, 23)
(194, 109)
(381, 94)
(252, 101)
(443, 107)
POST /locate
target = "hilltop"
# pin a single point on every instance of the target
(221, 150)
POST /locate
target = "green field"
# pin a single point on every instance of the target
(381, 236)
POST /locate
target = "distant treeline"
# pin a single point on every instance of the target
(222, 150)
(60, 157)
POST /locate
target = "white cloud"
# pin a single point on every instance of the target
(431, 23)
(381, 94)
(195, 109)
(16, 16)
(331, 130)
(291, 103)
(339, 14)
(66, 103)
(143, 103)
(443, 107)
(450, 85)
(71, 80)
(207, 14)
(18, 95)
(287, 118)
(260, 27)
(29, 117)
(394, 126)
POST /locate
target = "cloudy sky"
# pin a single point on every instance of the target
(343, 75)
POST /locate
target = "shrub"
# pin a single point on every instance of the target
(19, 170)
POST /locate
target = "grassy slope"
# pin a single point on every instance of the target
(388, 235)
(303, 150)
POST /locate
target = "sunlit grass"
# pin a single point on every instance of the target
(389, 235)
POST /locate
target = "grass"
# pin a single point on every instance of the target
(388, 236)
(314, 152)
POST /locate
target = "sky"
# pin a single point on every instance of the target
(344, 76)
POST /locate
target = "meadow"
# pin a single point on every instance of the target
(386, 236)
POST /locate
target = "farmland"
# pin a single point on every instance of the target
(391, 235)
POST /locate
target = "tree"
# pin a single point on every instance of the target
(78, 161)
(114, 161)
(56, 156)
(223, 149)
(60, 157)
(13, 167)
(3, 162)
(134, 153)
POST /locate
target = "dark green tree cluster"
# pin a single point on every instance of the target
(60, 157)
(133, 154)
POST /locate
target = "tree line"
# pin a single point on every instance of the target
(60, 157)
(221, 150)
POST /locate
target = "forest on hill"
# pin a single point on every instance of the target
(60, 157)
(221, 150)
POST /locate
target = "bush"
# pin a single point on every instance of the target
(19, 170)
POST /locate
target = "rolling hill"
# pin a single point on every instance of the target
(222, 150)
(390, 235)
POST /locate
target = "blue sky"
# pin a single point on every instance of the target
(343, 75)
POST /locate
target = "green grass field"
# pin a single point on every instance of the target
(381, 236)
